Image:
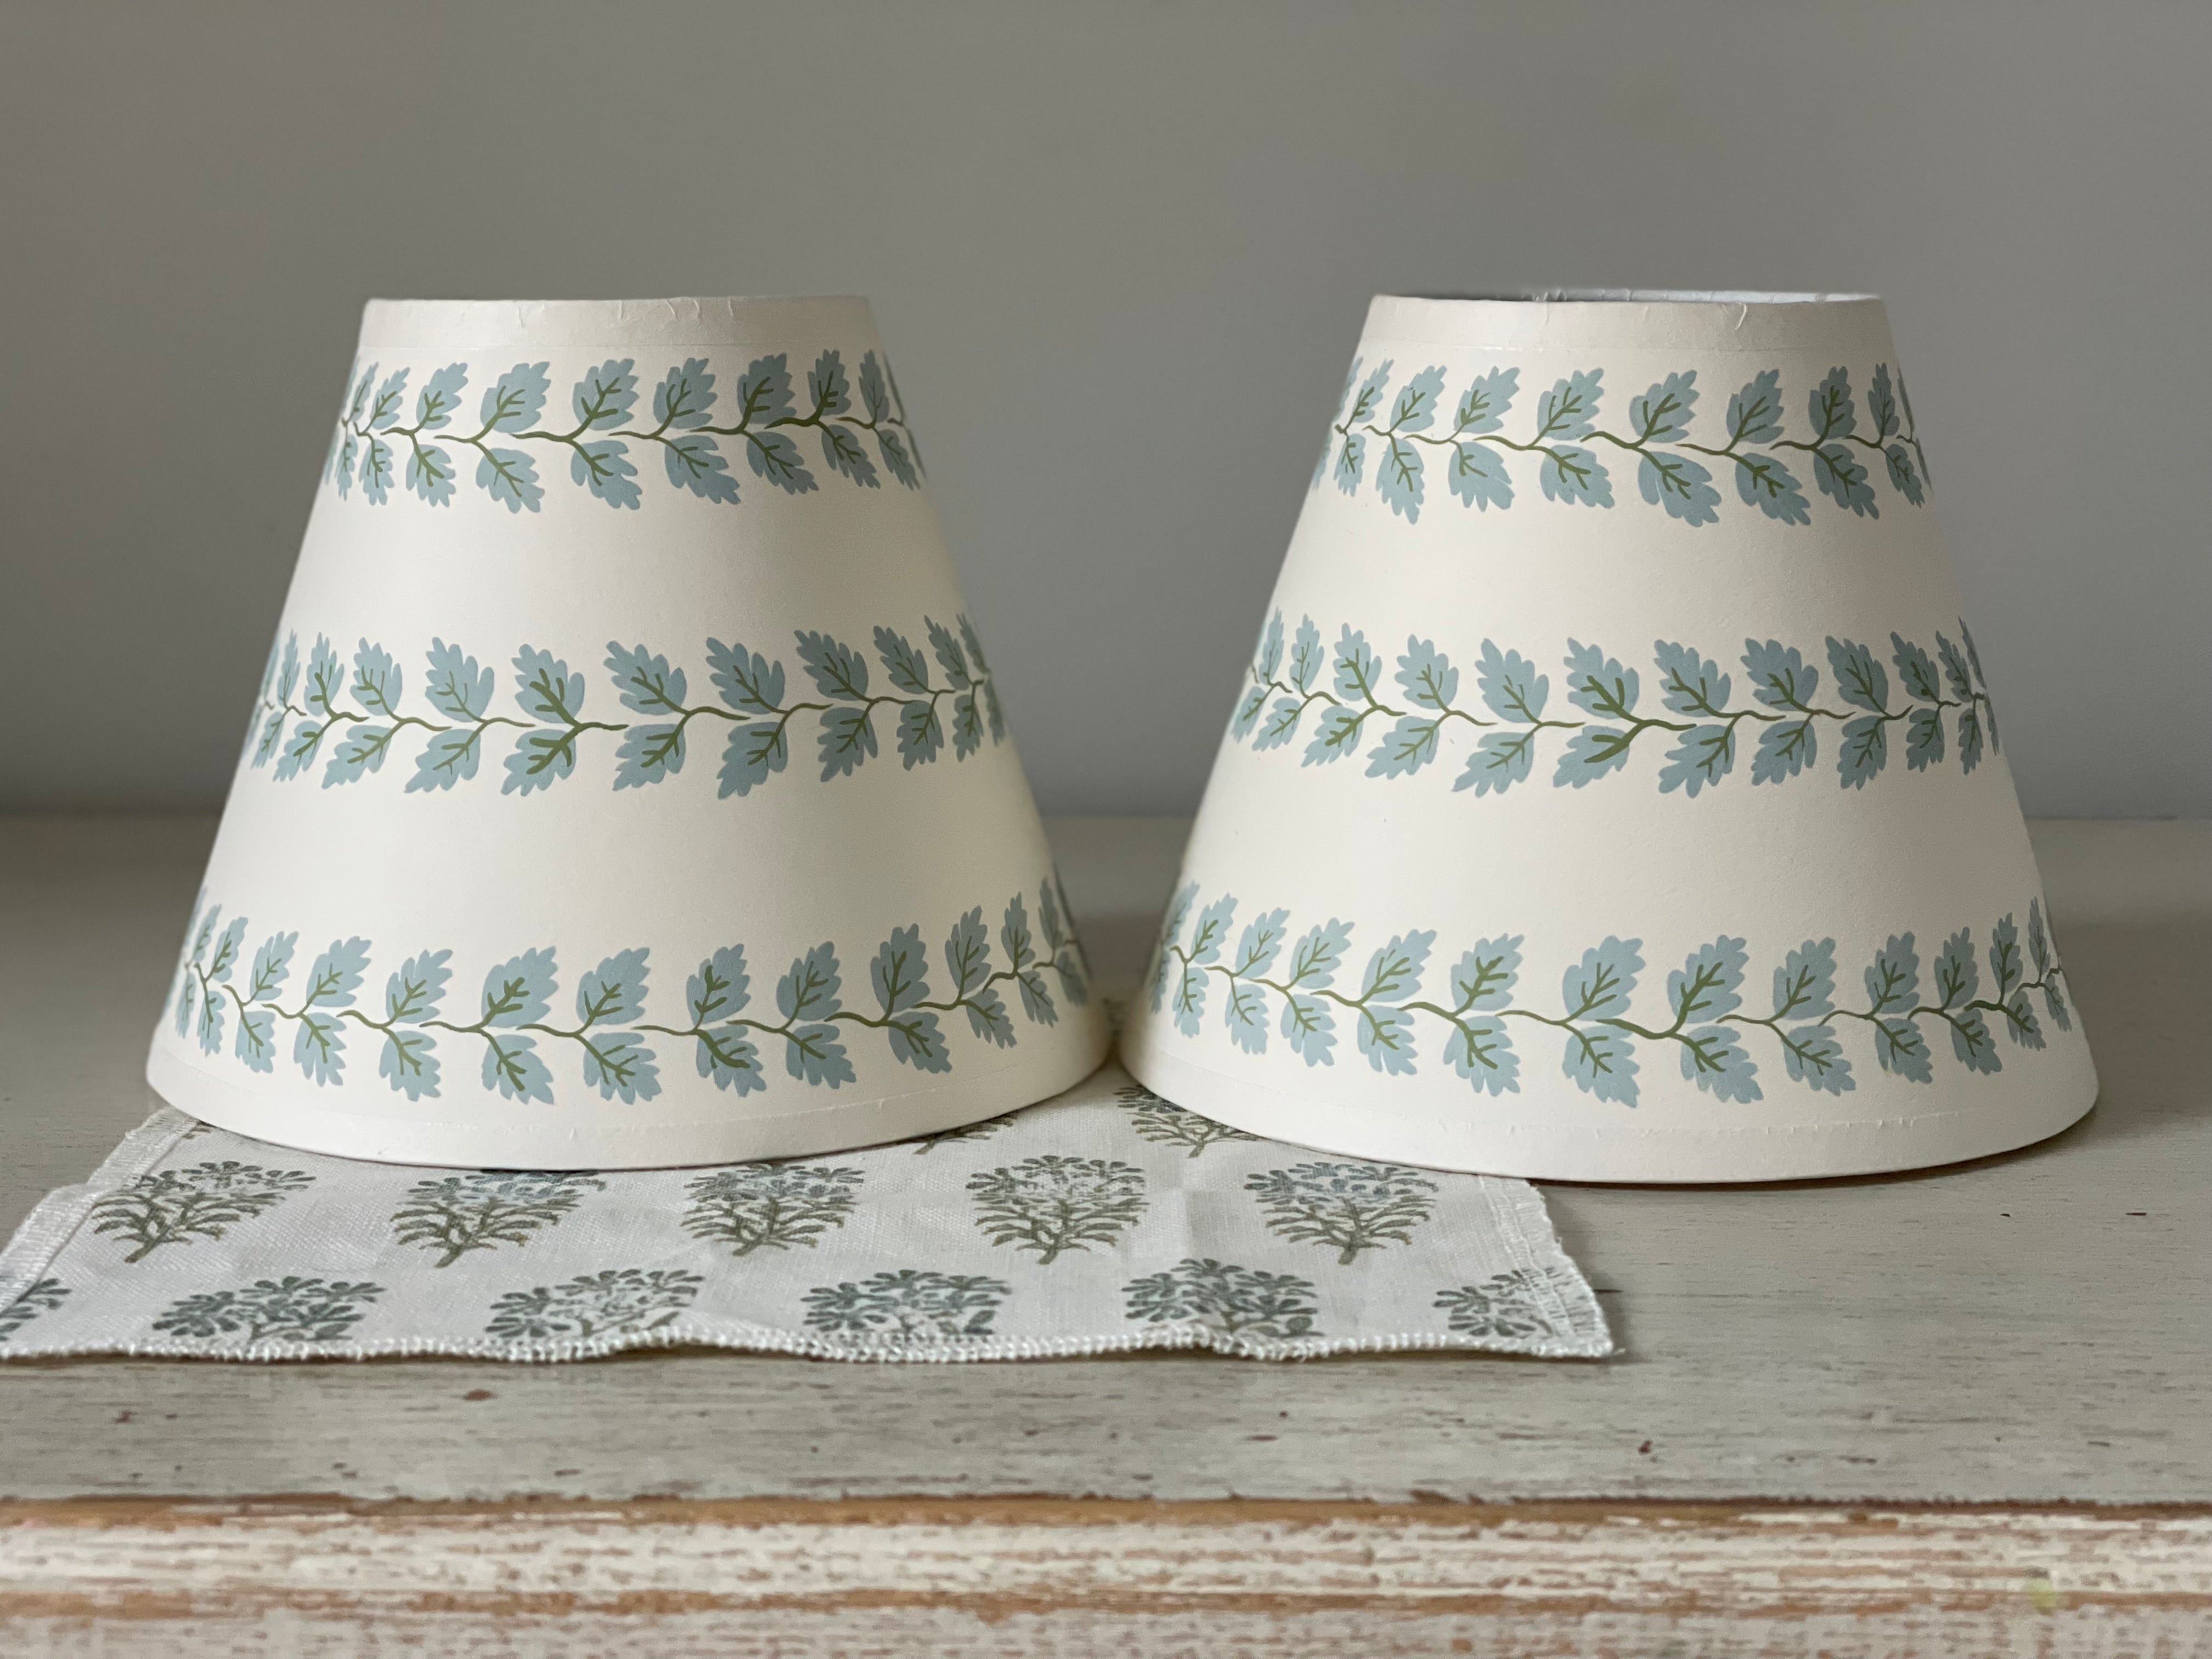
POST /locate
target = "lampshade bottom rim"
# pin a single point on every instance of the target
(619, 1143)
(1638, 1154)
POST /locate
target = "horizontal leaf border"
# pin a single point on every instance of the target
(1285, 680)
(1478, 1005)
(362, 719)
(766, 419)
(218, 993)
(1564, 438)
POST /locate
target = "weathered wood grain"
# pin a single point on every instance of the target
(1045, 1577)
(2036, 1327)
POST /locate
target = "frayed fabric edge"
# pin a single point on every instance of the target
(54, 1221)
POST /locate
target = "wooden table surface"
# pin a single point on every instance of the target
(1955, 1412)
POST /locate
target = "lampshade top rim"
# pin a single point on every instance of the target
(684, 320)
(1708, 319)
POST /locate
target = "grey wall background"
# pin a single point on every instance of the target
(1121, 252)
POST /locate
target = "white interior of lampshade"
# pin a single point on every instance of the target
(1627, 319)
(690, 320)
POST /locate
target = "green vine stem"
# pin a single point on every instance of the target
(1404, 433)
(854, 426)
(350, 722)
(609, 1032)
(1705, 1022)
(1944, 698)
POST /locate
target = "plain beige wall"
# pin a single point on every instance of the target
(1121, 252)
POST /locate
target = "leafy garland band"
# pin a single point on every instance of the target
(751, 687)
(604, 403)
(1783, 684)
(611, 1033)
(1704, 1023)
(1658, 436)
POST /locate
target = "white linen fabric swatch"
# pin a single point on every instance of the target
(1104, 1219)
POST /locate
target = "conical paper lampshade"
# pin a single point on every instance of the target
(627, 785)
(1615, 793)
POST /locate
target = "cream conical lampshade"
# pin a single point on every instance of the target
(627, 786)
(1614, 793)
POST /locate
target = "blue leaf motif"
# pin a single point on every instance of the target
(747, 681)
(1784, 751)
(1709, 982)
(511, 477)
(1970, 738)
(902, 465)
(1211, 931)
(1358, 669)
(1245, 1013)
(408, 1061)
(457, 687)
(517, 399)
(1713, 1057)
(1482, 980)
(1957, 975)
(414, 995)
(1839, 474)
(1904, 475)
(1320, 952)
(520, 991)
(1480, 1051)
(729, 1057)
(644, 681)
(987, 1017)
(1568, 410)
(1427, 675)
(1405, 748)
(449, 758)
(1599, 684)
(256, 1039)
(837, 669)
(1681, 485)
(815, 1054)
(1780, 677)
(848, 741)
(1924, 739)
(1335, 736)
(1901, 1049)
(720, 987)
(1764, 482)
(1893, 983)
(1915, 668)
(1602, 1063)
(512, 1065)
(605, 395)
(1399, 478)
(684, 399)
(900, 973)
(1755, 414)
(764, 392)
(318, 1048)
(1592, 752)
(1600, 985)
(1498, 761)
(1261, 943)
(968, 953)
(1574, 475)
(1394, 973)
(697, 464)
(1860, 680)
(1831, 409)
(383, 412)
(775, 457)
(809, 989)
(1351, 462)
(602, 465)
(621, 1067)
(1705, 754)
(1414, 409)
(1482, 407)
(1477, 474)
(1811, 1056)
(1510, 686)
(1309, 1027)
(1690, 683)
(376, 471)
(336, 974)
(1805, 983)
(441, 397)
(1662, 415)
(921, 734)
(1386, 1037)
(431, 474)
(613, 994)
(1972, 1042)
(360, 752)
(1882, 403)
(1863, 751)
(917, 1039)
(272, 965)
(1306, 655)
(1368, 402)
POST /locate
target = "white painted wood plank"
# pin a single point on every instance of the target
(1060, 1578)
(2034, 1328)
